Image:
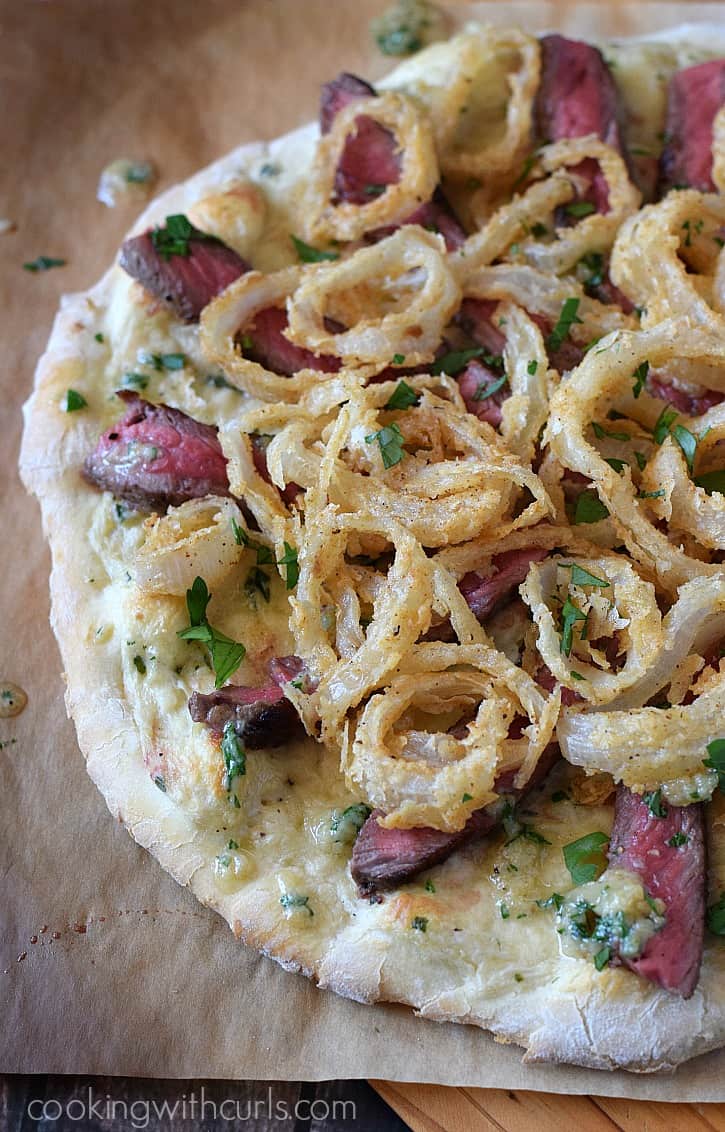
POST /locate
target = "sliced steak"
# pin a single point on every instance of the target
(338, 94)
(187, 283)
(473, 382)
(475, 318)
(577, 96)
(640, 843)
(484, 594)
(386, 858)
(157, 457)
(693, 99)
(370, 161)
(691, 403)
(262, 717)
(291, 670)
(264, 342)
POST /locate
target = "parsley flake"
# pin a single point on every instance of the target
(226, 655)
(585, 858)
(173, 237)
(289, 561)
(640, 377)
(403, 397)
(566, 320)
(390, 441)
(570, 614)
(484, 391)
(234, 755)
(589, 508)
(307, 254)
(580, 208)
(43, 263)
(419, 924)
(73, 401)
(655, 803)
(716, 761)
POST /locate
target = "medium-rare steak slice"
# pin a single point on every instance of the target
(668, 855)
(577, 96)
(386, 858)
(186, 272)
(370, 161)
(263, 342)
(693, 99)
(262, 717)
(485, 594)
(157, 457)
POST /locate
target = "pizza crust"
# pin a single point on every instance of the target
(561, 1010)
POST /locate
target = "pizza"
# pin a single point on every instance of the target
(383, 475)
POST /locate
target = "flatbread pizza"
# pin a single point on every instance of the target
(384, 480)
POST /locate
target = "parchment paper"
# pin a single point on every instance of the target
(129, 974)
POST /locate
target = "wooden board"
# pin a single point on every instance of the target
(435, 1108)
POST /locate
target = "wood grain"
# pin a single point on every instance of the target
(435, 1108)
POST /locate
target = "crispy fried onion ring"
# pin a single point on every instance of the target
(471, 138)
(651, 747)
(615, 617)
(325, 220)
(393, 298)
(654, 250)
(455, 478)
(226, 318)
(545, 295)
(512, 223)
(526, 364)
(406, 760)
(686, 508)
(647, 747)
(354, 622)
(193, 539)
(604, 378)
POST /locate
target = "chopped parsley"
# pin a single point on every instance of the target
(585, 858)
(398, 359)
(235, 757)
(390, 441)
(160, 782)
(651, 494)
(691, 226)
(226, 655)
(485, 391)
(618, 465)
(174, 236)
(582, 577)
(265, 557)
(565, 321)
(593, 263)
(712, 482)
(258, 581)
(655, 803)
(589, 508)
(580, 208)
(453, 362)
(140, 665)
(403, 396)
(532, 367)
(466, 797)
(716, 761)
(640, 377)
(716, 916)
(43, 263)
(641, 460)
(600, 432)
(602, 958)
(419, 924)
(290, 901)
(504, 910)
(429, 886)
(307, 254)
(290, 563)
(135, 380)
(345, 826)
(98, 337)
(162, 361)
(570, 614)
(677, 840)
(663, 424)
(687, 442)
(73, 401)
(374, 190)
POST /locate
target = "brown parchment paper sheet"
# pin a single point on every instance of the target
(129, 975)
